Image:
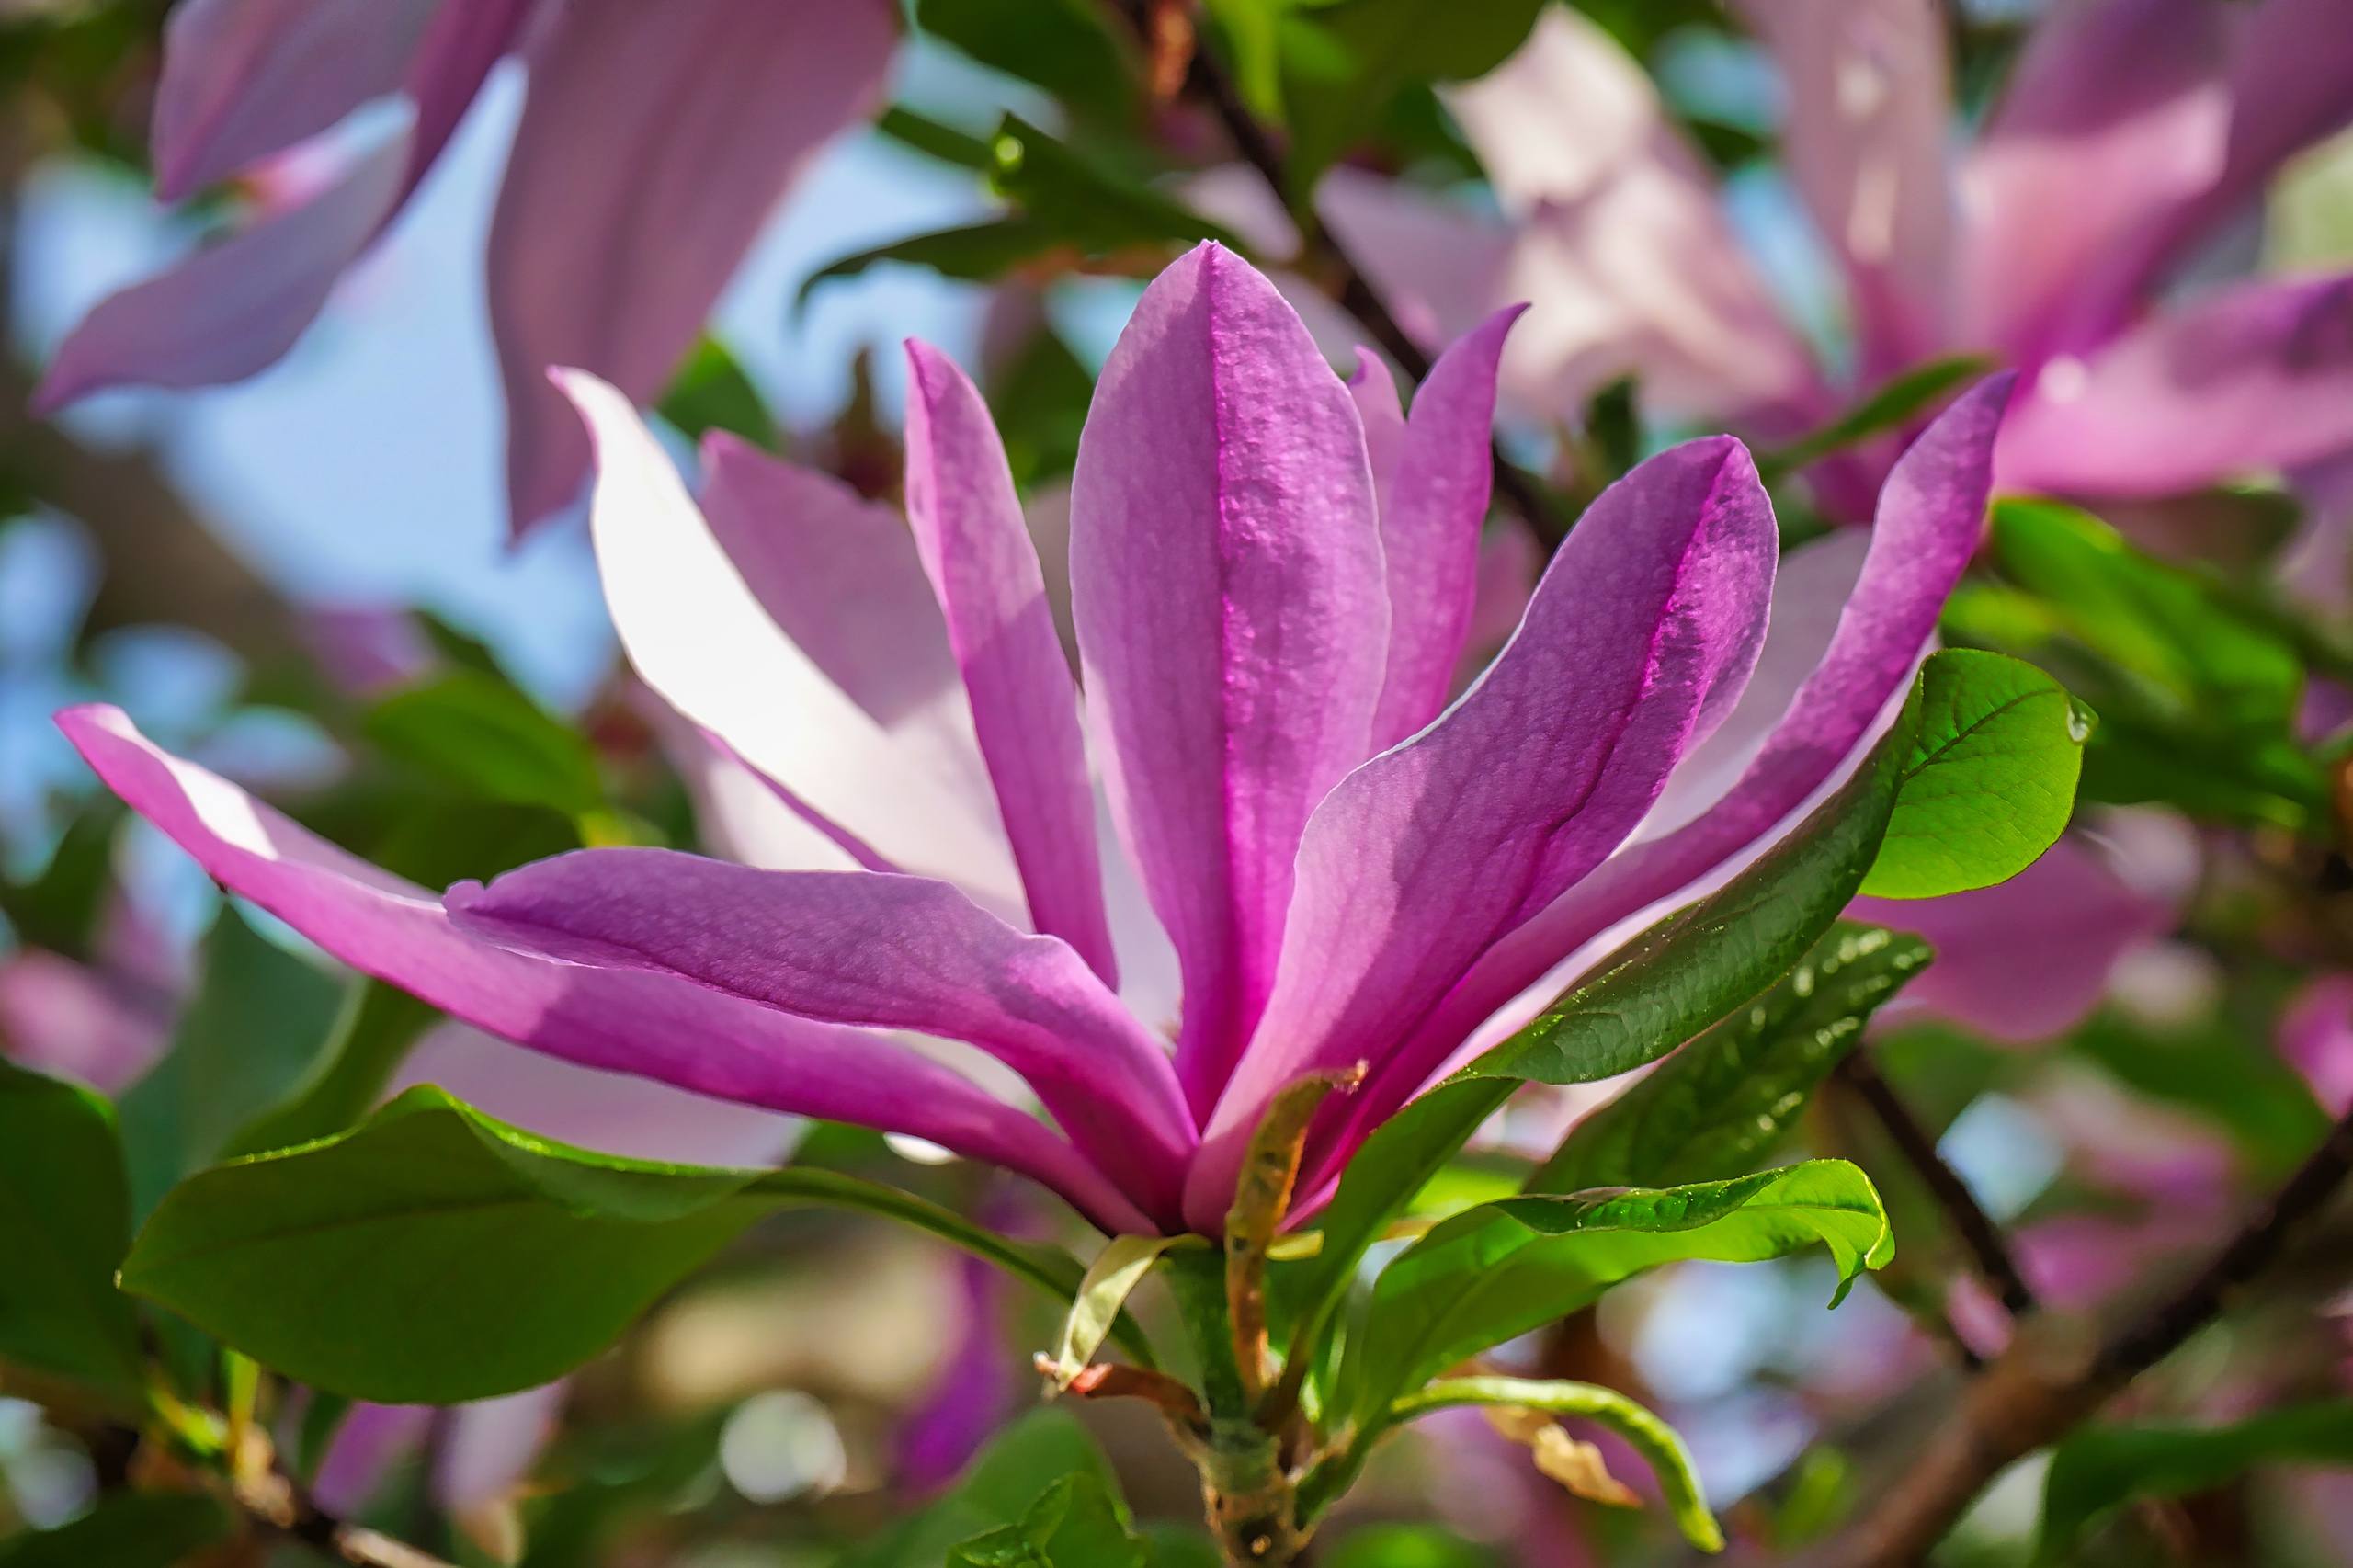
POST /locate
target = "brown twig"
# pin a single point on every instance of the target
(2055, 1375)
(1975, 1228)
(1326, 256)
(272, 1500)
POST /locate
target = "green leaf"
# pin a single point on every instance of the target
(479, 733)
(1659, 1445)
(1064, 46)
(1717, 1108)
(1899, 401)
(1346, 63)
(127, 1529)
(930, 136)
(1077, 1522)
(1659, 990)
(2099, 1469)
(1504, 1268)
(1117, 1270)
(710, 391)
(1989, 782)
(256, 1025)
(996, 1491)
(64, 1221)
(434, 1254)
(58, 908)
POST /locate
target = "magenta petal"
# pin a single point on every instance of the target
(1429, 528)
(654, 142)
(1931, 514)
(2316, 1037)
(1227, 581)
(1870, 112)
(1428, 852)
(1374, 389)
(972, 1393)
(2250, 378)
(625, 1019)
(976, 548)
(2114, 118)
(232, 308)
(870, 949)
(2027, 959)
(242, 79)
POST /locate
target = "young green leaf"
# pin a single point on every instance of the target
(2099, 1469)
(64, 1221)
(1077, 1522)
(1716, 1107)
(996, 1491)
(434, 1254)
(1504, 1268)
(1117, 1270)
(1659, 1445)
(1989, 782)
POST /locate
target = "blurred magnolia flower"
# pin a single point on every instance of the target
(1273, 574)
(654, 142)
(2131, 132)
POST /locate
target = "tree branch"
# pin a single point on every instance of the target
(1327, 256)
(2055, 1375)
(272, 1500)
(1975, 1228)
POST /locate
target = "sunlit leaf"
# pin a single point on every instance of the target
(1989, 781)
(479, 733)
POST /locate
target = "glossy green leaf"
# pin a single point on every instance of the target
(252, 1034)
(1076, 1522)
(127, 1529)
(1717, 1108)
(477, 733)
(335, 1262)
(1903, 400)
(1659, 990)
(1989, 781)
(1507, 1268)
(64, 1222)
(1345, 62)
(2100, 1469)
(710, 391)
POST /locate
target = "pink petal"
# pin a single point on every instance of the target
(1227, 585)
(232, 308)
(242, 79)
(370, 1440)
(870, 949)
(1870, 112)
(1931, 515)
(1374, 389)
(2247, 379)
(976, 549)
(704, 639)
(1430, 518)
(654, 142)
(2316, 1037)
(490, 1447)
(1428, 852)
(1622, 238)
(1438, 265)
(624, 1019)
(974, 1392)
(2115, 115)
(62, 1017)
(2028, 958)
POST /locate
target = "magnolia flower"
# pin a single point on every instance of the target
(2128, 133)
(1271, 573)
(654, 142)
